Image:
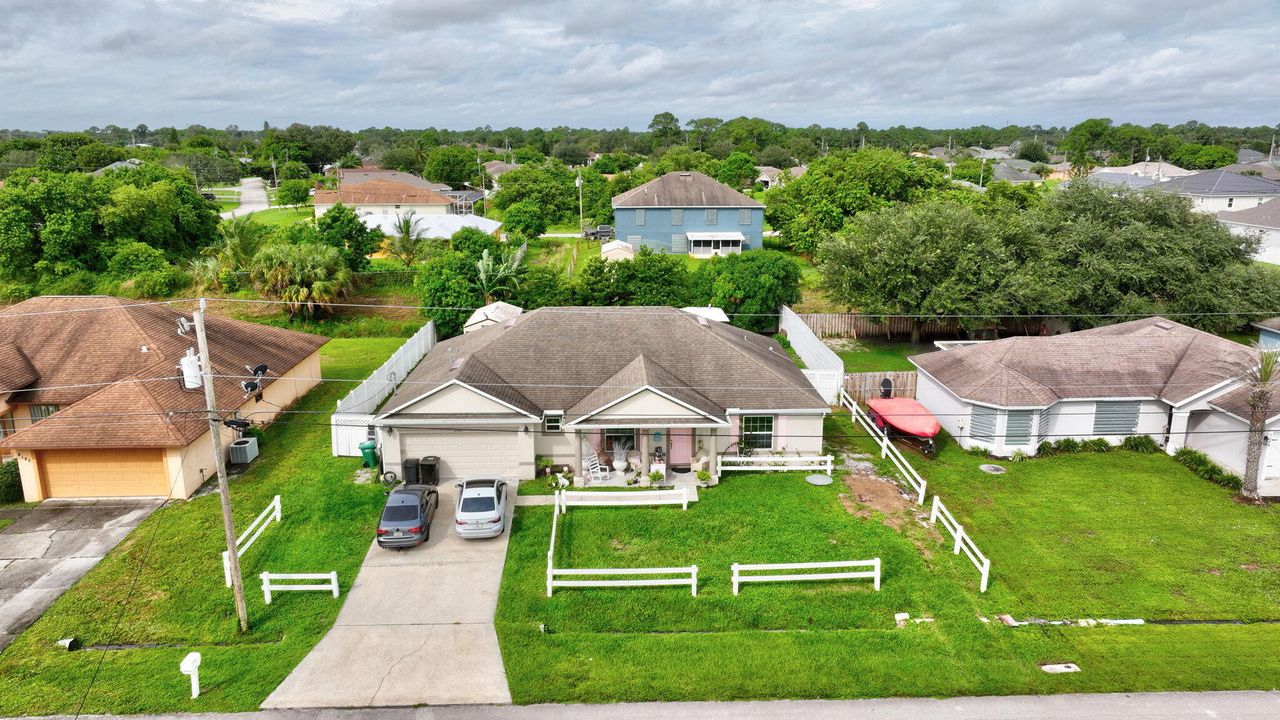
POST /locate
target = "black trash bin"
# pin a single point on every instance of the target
(409, 468)
(429, 470)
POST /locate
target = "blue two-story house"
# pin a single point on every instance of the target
(688, 212)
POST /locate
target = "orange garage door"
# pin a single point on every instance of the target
(103, 473)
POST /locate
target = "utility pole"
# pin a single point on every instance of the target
(581, 228)
(215, 433)
(275, 181)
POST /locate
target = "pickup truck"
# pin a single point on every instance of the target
(599, 232)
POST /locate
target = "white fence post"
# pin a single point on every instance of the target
(986, 574)
(266, 587)
(735, 578)
(933, 515)
(877, 577)
(693, 584)
(684, 498)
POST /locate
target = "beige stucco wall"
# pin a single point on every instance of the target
(457, 399)
(646, 404)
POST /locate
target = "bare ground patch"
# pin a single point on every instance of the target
(869, 494)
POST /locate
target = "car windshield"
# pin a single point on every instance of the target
(400, 513)
(477, 504)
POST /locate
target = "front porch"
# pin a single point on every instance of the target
(628, 456)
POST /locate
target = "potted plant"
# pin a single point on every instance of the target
(657, 478)
(620, 450)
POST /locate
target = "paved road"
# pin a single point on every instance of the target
(1135, 706)
(51, 546)
(253, 197)
(416, 629)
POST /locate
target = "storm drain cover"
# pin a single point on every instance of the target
(992, 469)
(818, 479)
(1057, 668)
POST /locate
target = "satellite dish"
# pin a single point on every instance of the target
(249, 386)
(258, 371)
(184, 326)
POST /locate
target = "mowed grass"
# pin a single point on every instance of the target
(872, 355)
(278, 216)
(167, 575)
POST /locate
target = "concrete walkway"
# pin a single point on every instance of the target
(1131, 706)
(416, 629)
(253, 197)
(51, 546)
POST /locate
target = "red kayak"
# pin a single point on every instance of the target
(904, 417)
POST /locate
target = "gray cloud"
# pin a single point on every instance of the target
(415, 63)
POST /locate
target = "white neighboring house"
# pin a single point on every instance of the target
(1262, 220)
(655, 384)
(491, 314)
(768, 175)
(1150, 377)
(1213, 191)
(617, 250)
(709, 312)
(384, 197)
(1152, 170)
(434, 226)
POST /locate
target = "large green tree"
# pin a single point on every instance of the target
(647, 279)
(308, 277)
(341, 228)
(452, 165)
(447, 286)
(750, 286)
(737, 171)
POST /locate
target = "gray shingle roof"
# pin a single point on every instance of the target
(683, 189)
(569, 358)
(1153, 357)
(1266, 170)
(1220, 183)
(1266, 215)
(1115, 179)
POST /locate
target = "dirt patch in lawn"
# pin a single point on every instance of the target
(869, 494)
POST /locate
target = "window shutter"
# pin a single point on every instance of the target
(1115, 418)
(1042, 428)
(982, 423)
(1017, 427)
(744, 217)
(639, 216)
(677, 216)
(679, 243)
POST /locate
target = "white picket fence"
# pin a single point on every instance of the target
(271, 583)
(873, 573)
(349, 424)
(250, 535)
(963, 543)
(820, 463)
(823, 368)
(887, 448)
(566, 498)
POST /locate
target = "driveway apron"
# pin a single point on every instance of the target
(416, 628)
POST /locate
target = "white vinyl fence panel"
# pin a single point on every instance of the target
(349, 424)
(566, 498)
(251, 534)
(963, 543)
(887, 448)
(327, 582)
(873, 572)
(823, 368)
(768, 463)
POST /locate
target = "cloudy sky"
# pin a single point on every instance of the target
(70, 64)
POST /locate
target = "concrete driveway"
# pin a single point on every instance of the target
(51, 546)
(416, 629)
(253, 197)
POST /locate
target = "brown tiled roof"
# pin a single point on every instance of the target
(16, 370)
(683, 189)
(381, 192)
(572, 358)
(1152, 357)
(82, 356)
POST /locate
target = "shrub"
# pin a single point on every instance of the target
(977, 451)
(1045, 449)
(17, 292)
(134, 258)
(1201, 465)
(1140, 444)
(10, 482)
(1098, 445)
(77, 283)
(254, 431)
(159, 283)
(542, 463)
(1019, 456)
(1066, 446)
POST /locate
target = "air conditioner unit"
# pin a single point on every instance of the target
(244, 450)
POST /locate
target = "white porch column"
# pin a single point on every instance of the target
(713, 450)
(579, 471)
(1177, 431)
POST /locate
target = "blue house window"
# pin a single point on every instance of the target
(744, 217)
(712, 216)
(677, 216)
(640, 216)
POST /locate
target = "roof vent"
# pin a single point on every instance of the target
(457, 362)
(1163, 325)
(146, 349)
(686, 174)
(702, 321)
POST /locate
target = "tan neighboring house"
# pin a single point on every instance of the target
(384, 197)
(92, 401)
(351, 177)
(659, 384)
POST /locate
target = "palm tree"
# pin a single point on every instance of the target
(407, 244)
(1257, 375)
(499, 274)
(309, 277)
(239, 240)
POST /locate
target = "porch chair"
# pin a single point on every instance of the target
(595, 471)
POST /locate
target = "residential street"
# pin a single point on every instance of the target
(1135, 706)
(417, 628)
(253, 197)
(51, 546)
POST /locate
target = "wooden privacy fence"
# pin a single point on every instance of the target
(963, 542)
(821, 463)
(873, 572)
(271, 584)
(887, 449)
(852, 325)
(566, 498)
(865, 386)
(250, 535)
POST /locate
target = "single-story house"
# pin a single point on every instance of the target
(687, 212)
(491, 314)
(564, 382)
(1261, 220)
(495, 169)
(768, 175)
(1115, 179)
(1153, 170)
(93, 401)
(1247, 155)
(383, 197)
(617, 250)
(1153, 377)
(1216, 190)
(1268, 333)
(351, 177)
(1004, 172)
(1264, 168)
(433, 226)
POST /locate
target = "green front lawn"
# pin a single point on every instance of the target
(228, 205)
(277, 216)
(871, 355)
(168, 574)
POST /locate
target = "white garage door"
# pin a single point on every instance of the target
(465, 453)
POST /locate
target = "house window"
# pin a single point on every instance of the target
(1115, 418)
(744, 217)
(712, 216)
(640, 216)
(1017, 427)
(6, 425)
(40, 412)
(1231, 201)
(982, 423)
(677, 216)
(552, 423)
(757, 432)
(618, 438)
(679, 243)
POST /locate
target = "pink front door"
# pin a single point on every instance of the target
(681, 446)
